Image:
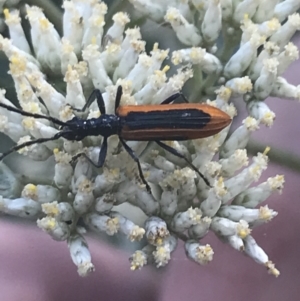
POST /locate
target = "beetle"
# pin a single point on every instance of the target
(183, 121)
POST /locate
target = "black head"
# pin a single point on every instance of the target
(73, 129)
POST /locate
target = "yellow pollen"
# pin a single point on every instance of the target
(44, 23)
(267, 149)
(31, 187)
(6, 13)
(165, 69)
(51, 223)
(155, 47)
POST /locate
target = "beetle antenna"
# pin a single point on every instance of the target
(37, 116)
(28, 143)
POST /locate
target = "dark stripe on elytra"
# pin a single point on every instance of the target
(167, 119)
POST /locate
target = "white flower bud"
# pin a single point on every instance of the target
(20, 207)
(264, 11)
(184, 220)
(40, 130)
(16, 33)
(285, 58)
(168, 202)
(10, 116)
(227, 10)
(45, 39)
(106, 181)
(146, 201)
(270, 50)
(212, 203)
(41, 193)
(97, 71)
(140, 72)
(13, 130)
(269, 27)
(205, 150)
(225, 227)
(187, 33)
(115, 32)
(80, 254)
(285, 8)
(234, 162)
(241, 181)
(267, 78)
(111, 56)
(283, 35)
(155, 10)
(235, 242)
(73, 147)
(254, 196)
(57, 230)
(84, 197)
(156, 230)
(52, 99)
(245, 7)
(10, 184)
(208, 62)
(127, 227)
(162, 163)
(239, 85)
(174, 85)
(104, 203)
(257, 253)
(62, 211)
(129, 59)
(63, 171)
(212, 21)
(183, 181)
(283, 89)
(241, 60)
(141, 257)
(73, 25)
(82, 172)
(200, 230)
(199, 253)
(162, 254)
(74, 96)
(261, 112)
(36, 152)
(12, 51)
(94, 26)
(252, 216)
(102, 223)
(239, 138)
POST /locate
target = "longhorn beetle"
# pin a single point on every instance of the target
(167, 121)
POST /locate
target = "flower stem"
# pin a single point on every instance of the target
(279, 156)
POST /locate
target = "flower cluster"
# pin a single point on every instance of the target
(220, 56)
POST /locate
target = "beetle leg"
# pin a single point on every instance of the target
(174, 152)
(136, 159)
(101, 159)
(95, 95)
(174, 97)
(75, 157)
(118, 97)
(103, 152)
